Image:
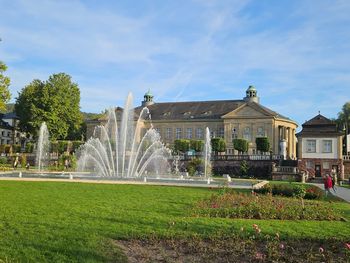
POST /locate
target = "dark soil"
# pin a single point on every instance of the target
(232, 250)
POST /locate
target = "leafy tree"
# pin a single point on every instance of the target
(240, 145)
(262, 144)
(4, 87)
(218, 145)
(55, 101)
(197, 145)
(344, 117)
(181, 145)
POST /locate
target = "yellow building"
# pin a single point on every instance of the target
(229, 119)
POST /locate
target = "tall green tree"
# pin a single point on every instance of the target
(218, 145)
(4, 87)
(55, 101)
(343, 120)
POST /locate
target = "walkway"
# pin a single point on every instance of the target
(341, 192)
(164, 182)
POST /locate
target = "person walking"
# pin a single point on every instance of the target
(327, 184)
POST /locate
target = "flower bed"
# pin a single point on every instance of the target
(292, 190)
(253, 206)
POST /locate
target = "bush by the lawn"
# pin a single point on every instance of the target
(292, 190)
(253, 206)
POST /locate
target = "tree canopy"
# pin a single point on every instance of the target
(4, 87)
(262, 144)
(218, 145)
(55, 101)
(240, 145)
(344, 117)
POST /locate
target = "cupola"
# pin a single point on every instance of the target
(251, 95)
(147, 99)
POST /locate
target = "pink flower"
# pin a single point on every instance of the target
(321, 249)
(255, 226)
(259, 256)
(347, 245)
(281, 246)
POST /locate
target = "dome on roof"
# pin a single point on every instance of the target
(251, 88)
(148, 94)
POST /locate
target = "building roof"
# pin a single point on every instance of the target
(319, 126)
(251, 88)
(10, 115)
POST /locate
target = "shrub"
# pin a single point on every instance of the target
(62, 146)
(16, 148)
(218, 145)
(23, 160)
(291, 190)
(8, 148)
(197, 145)
(242, 205)
(3, 160)
(76, 145)
(262, 144)
(194, 165)
(240, 145)
(181, 145)
(29, 147)
(54, 146)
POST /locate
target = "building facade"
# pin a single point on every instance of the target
(229, 119)
(320, 147)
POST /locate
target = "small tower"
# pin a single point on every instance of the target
(251, 95)
(147, 99)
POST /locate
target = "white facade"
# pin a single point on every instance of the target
(322, 148)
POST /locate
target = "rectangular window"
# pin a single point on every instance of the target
(178, 134)
(158, 130)
(325, 165)
(246, 134)
(189, 133)
(327, 146)
(234, 133)
(261, 132)
(309, 164)
(221, 132)
(168, 133)
(311, 146)
(199, 133)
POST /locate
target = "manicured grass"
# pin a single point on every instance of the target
(77, 222)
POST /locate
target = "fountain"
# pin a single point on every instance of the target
(207, 154)
(117, 148)
(43, 148)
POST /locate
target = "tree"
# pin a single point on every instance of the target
(344, 117)
(262, 144)
(181, 145)
(55, 101)
(218, 145)
(240, 145)
(197, 145)
(4, 87)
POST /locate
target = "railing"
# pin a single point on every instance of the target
(285, 169)
(346, 157)
(228, 157)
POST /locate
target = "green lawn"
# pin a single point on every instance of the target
(76, 222)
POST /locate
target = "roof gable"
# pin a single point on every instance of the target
(251, 110)
(319, 120)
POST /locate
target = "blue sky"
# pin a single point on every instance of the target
(296, 53)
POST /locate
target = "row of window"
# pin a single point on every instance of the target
(199, 133)
(188, 133)
(326, 146)
(6, 133)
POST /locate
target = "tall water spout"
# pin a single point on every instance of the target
(207, 153)
(118, 148)
(43, 148)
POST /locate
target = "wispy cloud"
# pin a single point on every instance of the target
(187, 50)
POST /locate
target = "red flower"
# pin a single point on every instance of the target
(347, 245)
